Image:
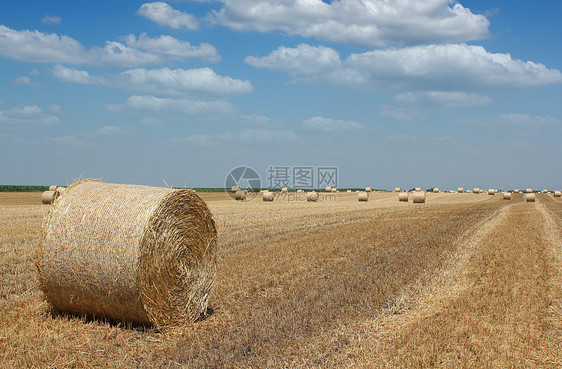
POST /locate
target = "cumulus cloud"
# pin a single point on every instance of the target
(165, 15)
(160, 82)
(327, 125)
(363, 22)
(449, 99)
(172, 47)
(27, 116)
(39, 47)
(167, 106)
(451, 67)
(26, 81)
(50, 19)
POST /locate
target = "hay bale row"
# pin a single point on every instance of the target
(530, 197)
(130, 253)
(363, 196)
(419, 197)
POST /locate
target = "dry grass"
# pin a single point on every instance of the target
(464, 281)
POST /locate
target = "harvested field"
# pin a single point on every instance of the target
(460, 281)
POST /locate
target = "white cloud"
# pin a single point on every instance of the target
(452, 99)
(172, 47)
(72, 75)
(27, 116)
(529, 121)
(39, 47)
(261, 136)
(26, 81)
(152, 122)
(172, 106)
(260, 121)
(452, 67)
(363, 22)
(110, 131)
(328, 125)
(165, 15)
(49, 19)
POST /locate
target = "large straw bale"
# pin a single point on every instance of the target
(530, 197)
(312, 197)
(133, 253)
(241, 195)
(557, 193)
(507, 196)
(403, 196)
(48, 197)
(419, 197)
(268, 196)
(491, 191)
(363, 196)
(334, 189)
(460, 189)
(328, 188)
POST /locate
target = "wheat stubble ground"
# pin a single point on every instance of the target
(463, 280)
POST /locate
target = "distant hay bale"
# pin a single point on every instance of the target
(491, 191)
(328, 188)
(468, 191)
(460, 189)
(403, 196)
(529, 190)
(368, 189)
(397, 189)
(348, 191)
(53, 188)
(312, 197)
(241, 195)
(284, 189)
(268, 196)
(48, 197)
(418, 189)
(516, 190)
(300, 191)
(476, 190)
(545, 191)
(557, 193)
(363, 196)
(234, 189)
(419, 197)
(530, 197)
(507, 196)
(436, 190)
(334, 189)
(132, 253)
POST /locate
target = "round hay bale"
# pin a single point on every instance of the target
(419, 197)
(516, 190)
(461, 190)
(300, 191)
(328, 188)
(545, 191)
(397, 189)
(53, 188)
(348, 191)
(418, 189)
(268, 196)
(530, 197)
(491, 191)
(334, 189)
(363, 196)
(284, 189)
(132, 253)
(368, 189)
(241, 195)
(436, 190)
(507, 196)
(403, 196)
(529, 190)
(234, 189)
(48, 197)
(312, 197)
(557, 193)
(476, 190)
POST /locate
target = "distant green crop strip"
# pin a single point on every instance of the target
(19, 188)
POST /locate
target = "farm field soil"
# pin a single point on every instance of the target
(463, 280)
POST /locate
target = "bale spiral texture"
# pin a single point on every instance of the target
(126, 252)
(403, 196)
(530, 197)
(419, 197)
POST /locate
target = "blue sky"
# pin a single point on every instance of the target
(433, 93)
